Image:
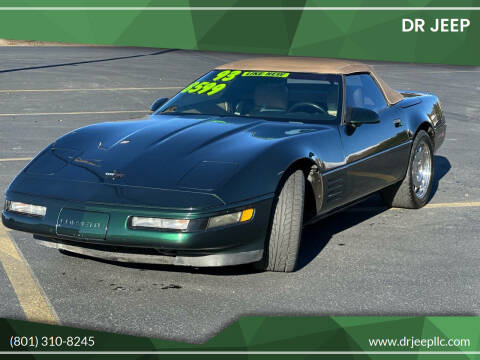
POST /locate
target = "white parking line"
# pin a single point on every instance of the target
(16, 159)
(79, 113)
(428, 206)
(86, 89)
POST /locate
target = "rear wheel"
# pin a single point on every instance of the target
(281, 251)
(414, 191)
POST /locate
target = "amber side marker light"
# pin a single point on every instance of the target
(246, 215)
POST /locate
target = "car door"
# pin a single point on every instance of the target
(374, 154)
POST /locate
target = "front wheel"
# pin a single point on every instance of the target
(281, 250)
(414, 191)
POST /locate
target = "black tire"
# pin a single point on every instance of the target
(281, 250)
(405, 194)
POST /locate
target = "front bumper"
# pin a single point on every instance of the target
(235, 256)
(228, 245)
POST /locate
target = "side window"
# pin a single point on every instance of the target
(362, 91)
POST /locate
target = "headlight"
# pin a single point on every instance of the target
(137, 222)
(157, 223)
(27, 209)
(231, 218)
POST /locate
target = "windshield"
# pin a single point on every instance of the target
(263, 94)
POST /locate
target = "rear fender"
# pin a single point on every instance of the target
(425, 114)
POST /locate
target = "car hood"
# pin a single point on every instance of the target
(164, 151)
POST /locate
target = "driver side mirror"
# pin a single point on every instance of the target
(360, 116)
(157, 103)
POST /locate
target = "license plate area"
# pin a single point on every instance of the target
(82, 224)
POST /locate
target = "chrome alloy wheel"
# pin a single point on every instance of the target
(421, 170)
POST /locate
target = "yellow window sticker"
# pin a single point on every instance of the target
(220, 81)
(266, 74)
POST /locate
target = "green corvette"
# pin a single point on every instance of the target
(229, 170)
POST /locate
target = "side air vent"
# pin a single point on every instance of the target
(335, 189)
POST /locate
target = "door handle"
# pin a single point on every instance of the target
(397, 122)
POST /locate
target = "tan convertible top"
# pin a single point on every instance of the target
(313, 65)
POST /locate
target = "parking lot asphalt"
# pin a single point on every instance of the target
(368, 260)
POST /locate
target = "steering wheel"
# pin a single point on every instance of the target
(312, 105)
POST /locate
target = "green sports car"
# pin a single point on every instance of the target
(230, 169)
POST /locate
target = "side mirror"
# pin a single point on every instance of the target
(360, 116)
(157, 103)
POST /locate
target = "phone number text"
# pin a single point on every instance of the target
(51, 341)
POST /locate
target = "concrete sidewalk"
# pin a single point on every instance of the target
(7, 42)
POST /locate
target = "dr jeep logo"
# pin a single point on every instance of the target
(80, 223)
(445, 25)
(114, 175)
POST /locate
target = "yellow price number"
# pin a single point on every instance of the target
(227, 75)
(190, 86)
(203, 87)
